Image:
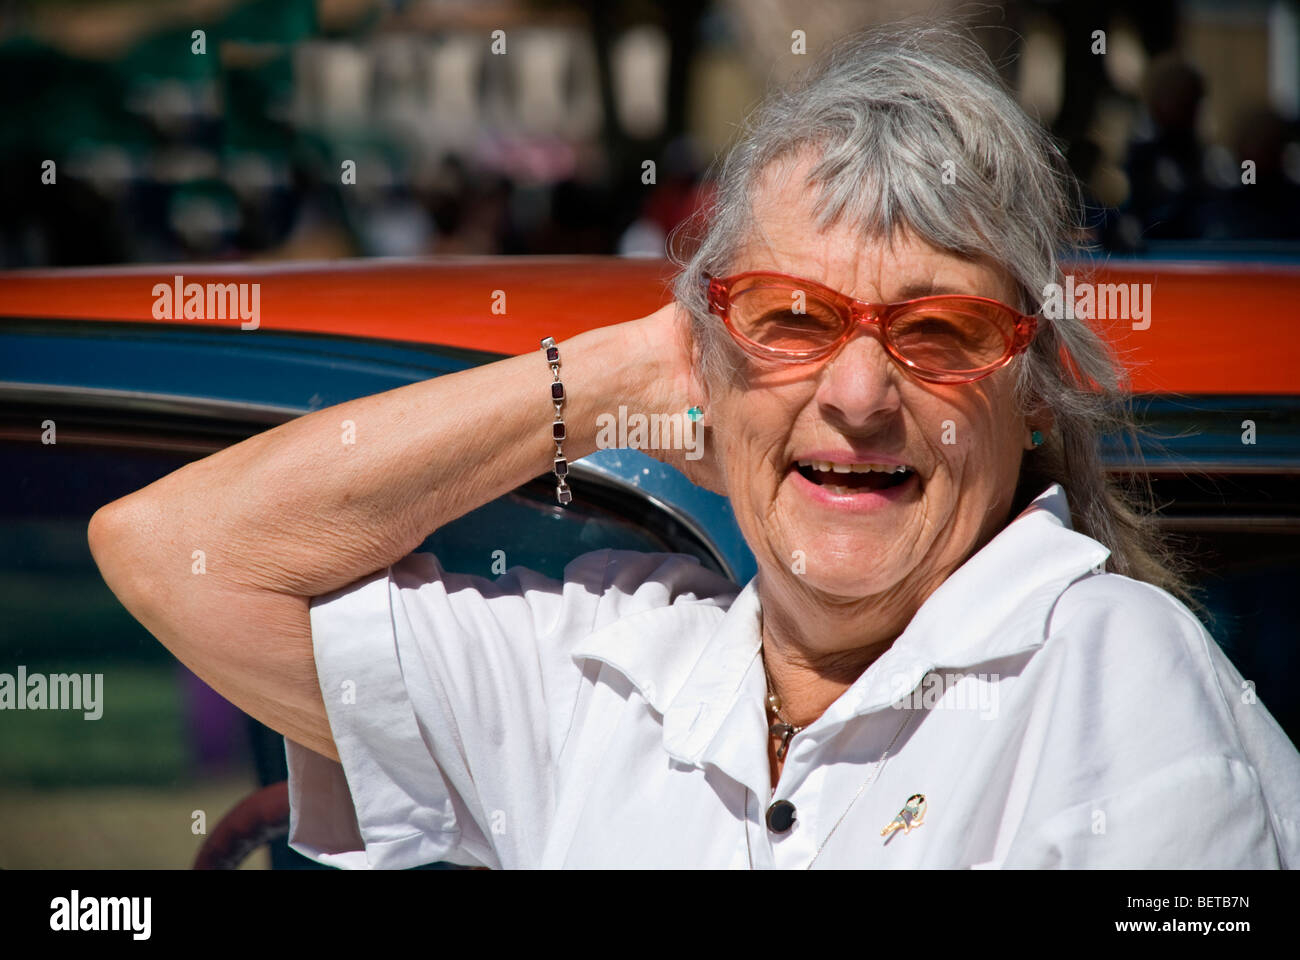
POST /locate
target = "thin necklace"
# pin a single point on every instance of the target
(785, 730)
(871, 777)
(782, 728)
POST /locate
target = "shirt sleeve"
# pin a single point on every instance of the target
(449, 698)
(1147, 753)
(1195, 813)
(435, 685)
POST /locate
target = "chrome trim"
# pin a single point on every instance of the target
(597, 475)
(201, 448)
(149, 402)
(1212, 524)
(1172, 468)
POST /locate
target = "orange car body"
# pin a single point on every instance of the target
(1214, 328)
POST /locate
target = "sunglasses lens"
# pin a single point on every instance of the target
(942, 338)
(782, 317)
(953, 339)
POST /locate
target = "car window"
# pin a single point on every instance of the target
(165, 756)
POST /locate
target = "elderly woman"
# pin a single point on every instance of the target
(962, 647)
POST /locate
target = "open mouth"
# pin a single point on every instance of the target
(850, 478)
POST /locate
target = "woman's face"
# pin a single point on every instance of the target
(812, 537)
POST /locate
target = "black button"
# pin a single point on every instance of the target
(780, 816)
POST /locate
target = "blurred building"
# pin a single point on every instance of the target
(220, 129)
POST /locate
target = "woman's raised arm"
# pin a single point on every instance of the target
(296, 512)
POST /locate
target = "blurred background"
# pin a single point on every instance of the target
(292, 129)
(278, 130)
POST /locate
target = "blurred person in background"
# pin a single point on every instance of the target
(1169, 194)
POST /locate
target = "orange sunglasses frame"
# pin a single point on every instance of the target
(878, 316)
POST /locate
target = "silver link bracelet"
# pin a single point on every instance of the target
(563, 494)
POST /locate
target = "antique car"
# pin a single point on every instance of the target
(104, 388)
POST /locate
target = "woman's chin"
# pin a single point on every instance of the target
(839, 573)
(848, 586)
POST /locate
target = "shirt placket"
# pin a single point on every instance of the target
(802, 782)
(822, 798)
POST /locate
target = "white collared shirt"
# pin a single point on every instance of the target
(1050, 715)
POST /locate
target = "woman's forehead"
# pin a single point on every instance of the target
(898, 267)
(785, 235)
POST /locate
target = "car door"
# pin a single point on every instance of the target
(91, 412)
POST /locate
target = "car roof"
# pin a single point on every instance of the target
(1215, 327)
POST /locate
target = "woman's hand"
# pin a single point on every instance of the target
(666, 338)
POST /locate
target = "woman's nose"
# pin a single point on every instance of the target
(860, 383)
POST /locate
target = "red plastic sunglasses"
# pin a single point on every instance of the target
(942, 339)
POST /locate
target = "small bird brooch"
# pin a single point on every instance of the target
(911, 816)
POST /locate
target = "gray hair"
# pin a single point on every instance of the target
(887, 113)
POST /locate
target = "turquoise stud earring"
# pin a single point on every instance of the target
(1036, 438)
(695, 412)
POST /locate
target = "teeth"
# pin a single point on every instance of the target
(826, 466)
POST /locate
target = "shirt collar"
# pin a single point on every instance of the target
(699, 667)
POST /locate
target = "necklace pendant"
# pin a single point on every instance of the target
(785, 732)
